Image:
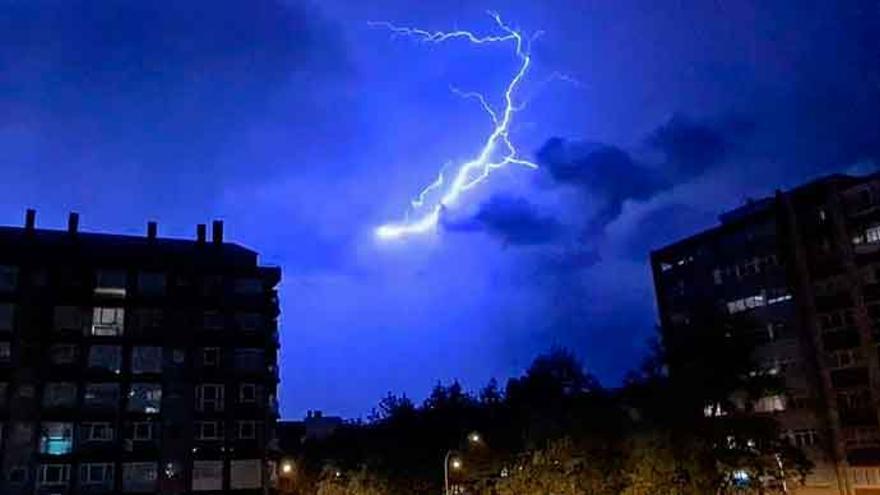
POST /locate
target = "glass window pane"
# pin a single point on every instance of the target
(68, 318)
(139, 476)
(245, 474)
(145, 397)
(105, 357)
(56, 438)
(8, 278)
(59, 394)
(7, 314)
(108, 321)
(101, 395)
(146, 359)
(207, 475)
(151, 284)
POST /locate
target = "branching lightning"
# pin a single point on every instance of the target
(497, 152)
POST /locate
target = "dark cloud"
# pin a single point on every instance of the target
(168, 71)
(688, 146)
(513, 220)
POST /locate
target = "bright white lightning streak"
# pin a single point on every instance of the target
(497, 151)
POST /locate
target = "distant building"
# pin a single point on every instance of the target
(135, 364)
(805, 266)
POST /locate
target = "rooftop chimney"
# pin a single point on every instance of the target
(73, 223)
(217, 235)
(152, 228)
(30, 220)
(201, 233)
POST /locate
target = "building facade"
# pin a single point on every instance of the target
(804, 266)
(135, 364)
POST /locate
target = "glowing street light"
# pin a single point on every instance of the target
(287, 467)
(456, 463)
(474, 437)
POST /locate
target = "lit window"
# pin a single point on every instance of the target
(8, 278)
(105, 357)
(53, 474)
(62, 354)
(139, 476)
(207, 475)
(146, 359)
(247, 393)
(96, 432)
(101, 395)
(247, 430)
(62, 394)
(110, 283)
(145, 398)
(245, 474)
(209, 397)
(96, 473)
(7, 317)
(68, 318)
(872, 235)
(803, 438)
(108, 321)
(209, 430)
(772, 403)
(56, 438)
(151, 284)
(716, 276)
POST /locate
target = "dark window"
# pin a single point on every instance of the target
(145, 397)
(105, 357)
(146, 359)
(68, 318)
(213, 320)
(151, 284)
(59, 394)
(110, 283)
(7, 317)
(211, 356)
(101, 395)
(63, 354)
(249, 359)
(8, 278)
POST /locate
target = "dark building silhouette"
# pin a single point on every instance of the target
(804, 266)
(135, 364)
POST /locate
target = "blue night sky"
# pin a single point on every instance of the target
(304, 128)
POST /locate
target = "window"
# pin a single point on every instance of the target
(151, 284)
(245, 474)
(110, 283)
(96, 432)
(105, 357)
(145, 397)
(68, 318)
(53, 474)
(772, 403)
(60, 354)
(108, 321)
(209, 430)
(59, 394)
(207, 475)
(7, 317)
(247, 393)
(56, 438)
(20, 436)
(872, 235)
(209, 397)
(247, 430)
(149, 319)
(212, 285)
(745, 303)
(139, 476)
(25, 390)
(141, 431)
(803, 438)
(101, 395)
(96, 473)
(716, 276)
(249, 359)
(248, 322)
(212, 320)
(8, 278)
(18, 475)
(211, 356)
(248, 286)
(146, 359)
(3, 389)
(845, 358)
(5, 352)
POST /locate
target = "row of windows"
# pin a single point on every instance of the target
(752, 266)
(115, 283)
(56, 438)
(764, 298)
(141, 397)
(152, 359)
(111, 321)
(144, 476)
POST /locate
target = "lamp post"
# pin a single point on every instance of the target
(473, 438)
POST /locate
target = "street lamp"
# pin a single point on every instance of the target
(473, 438)
(287, 467)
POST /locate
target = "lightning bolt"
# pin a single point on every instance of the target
(497, 151)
